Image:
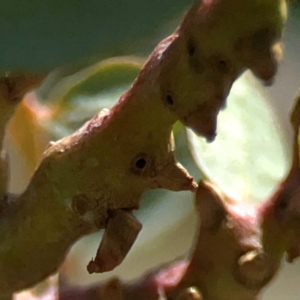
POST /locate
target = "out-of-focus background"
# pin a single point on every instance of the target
(286, 286)
(65, 37)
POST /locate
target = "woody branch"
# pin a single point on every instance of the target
(237, 252)
(94, 178)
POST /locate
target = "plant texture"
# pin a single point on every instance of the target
(255, 237)
(94, 178)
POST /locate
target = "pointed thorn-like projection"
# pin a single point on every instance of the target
(261, 52)
(120, 234)
(210, 206)
(244, 267)
(208, 125)
(175, 177)
(210, 50)
(265, 65)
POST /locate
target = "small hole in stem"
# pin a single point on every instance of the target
(169, 99)
(141, 163)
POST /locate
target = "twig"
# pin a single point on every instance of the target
(103, 169)
(238, 251)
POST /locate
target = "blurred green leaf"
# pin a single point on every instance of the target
(79, 97)
(42, 35)
(250, 153)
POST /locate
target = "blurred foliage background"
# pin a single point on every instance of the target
(84, 48)
(42, 35)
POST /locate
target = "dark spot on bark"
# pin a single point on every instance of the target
(216, 223)
(262, 39)
(220, 64)
(80, 204)
(282, 205)
(194, 59)
(141, 163)
(191, 47)
(169, 99)
(167, 96)
(223, 66)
